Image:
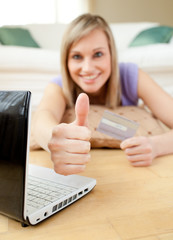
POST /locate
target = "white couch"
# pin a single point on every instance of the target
(31, 69)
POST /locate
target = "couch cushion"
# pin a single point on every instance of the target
(151, 58)
(159, 34)
(17, 37)
(35, 60)
(48, 36)
(124, 33)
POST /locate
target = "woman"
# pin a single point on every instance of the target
(89, 66)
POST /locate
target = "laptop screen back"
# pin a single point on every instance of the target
(13, 142)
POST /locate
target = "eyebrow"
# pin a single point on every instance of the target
(95, 49)
(99, 48)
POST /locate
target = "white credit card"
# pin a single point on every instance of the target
(117, 126)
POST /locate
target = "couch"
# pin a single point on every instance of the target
(30, 68)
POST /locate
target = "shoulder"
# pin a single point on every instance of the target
(57, 80)
(128, 69)
(128, 73)
(129, 82)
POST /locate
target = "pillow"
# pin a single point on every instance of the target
(17, 37)
(148, 125)
(171, 41)
(160, 34)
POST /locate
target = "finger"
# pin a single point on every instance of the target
(68, 169)
(70, 131)
(131, 142)
(141, 164)
(82, 110)
(78, 146)
(139, 157)
(70, 145)
(70, 158)
(141, 149)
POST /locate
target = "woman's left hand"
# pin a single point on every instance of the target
(139, 151)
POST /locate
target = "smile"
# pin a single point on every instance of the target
(89, 78)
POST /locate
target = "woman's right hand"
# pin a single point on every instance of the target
(70, 143)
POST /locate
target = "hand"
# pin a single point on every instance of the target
(70, 145)
(139, 151)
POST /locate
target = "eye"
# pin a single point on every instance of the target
(98, 54)
(76, 56)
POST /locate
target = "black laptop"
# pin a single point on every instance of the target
(30, 193)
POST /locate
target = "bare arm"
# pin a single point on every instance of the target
(68, 144)
(48, 114)
(157, 100)
(141, 151)
(161, 105)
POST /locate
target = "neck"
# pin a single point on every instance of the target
(99, 97)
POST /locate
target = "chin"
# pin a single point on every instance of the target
(90, 89)
(91, 92)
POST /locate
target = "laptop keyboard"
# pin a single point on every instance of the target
(43, 192)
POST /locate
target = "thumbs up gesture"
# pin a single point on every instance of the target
(70, 145)
(82, 110)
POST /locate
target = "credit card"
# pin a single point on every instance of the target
(117, 126)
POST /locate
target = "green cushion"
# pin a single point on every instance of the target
(17, 37)
(160, 34)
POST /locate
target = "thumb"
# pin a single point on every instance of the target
(82, 110)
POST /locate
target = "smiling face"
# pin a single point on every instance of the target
(89, 62)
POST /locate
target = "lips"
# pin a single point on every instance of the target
(89, 78)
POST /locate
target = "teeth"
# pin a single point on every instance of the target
(90, 77)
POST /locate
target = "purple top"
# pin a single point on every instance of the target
(128, 81)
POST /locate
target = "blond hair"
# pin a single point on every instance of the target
(77, 29)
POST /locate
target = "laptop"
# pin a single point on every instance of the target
(30, 193)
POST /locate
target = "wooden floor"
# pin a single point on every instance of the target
(127, 203)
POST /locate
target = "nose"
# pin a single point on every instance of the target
(87, 65)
